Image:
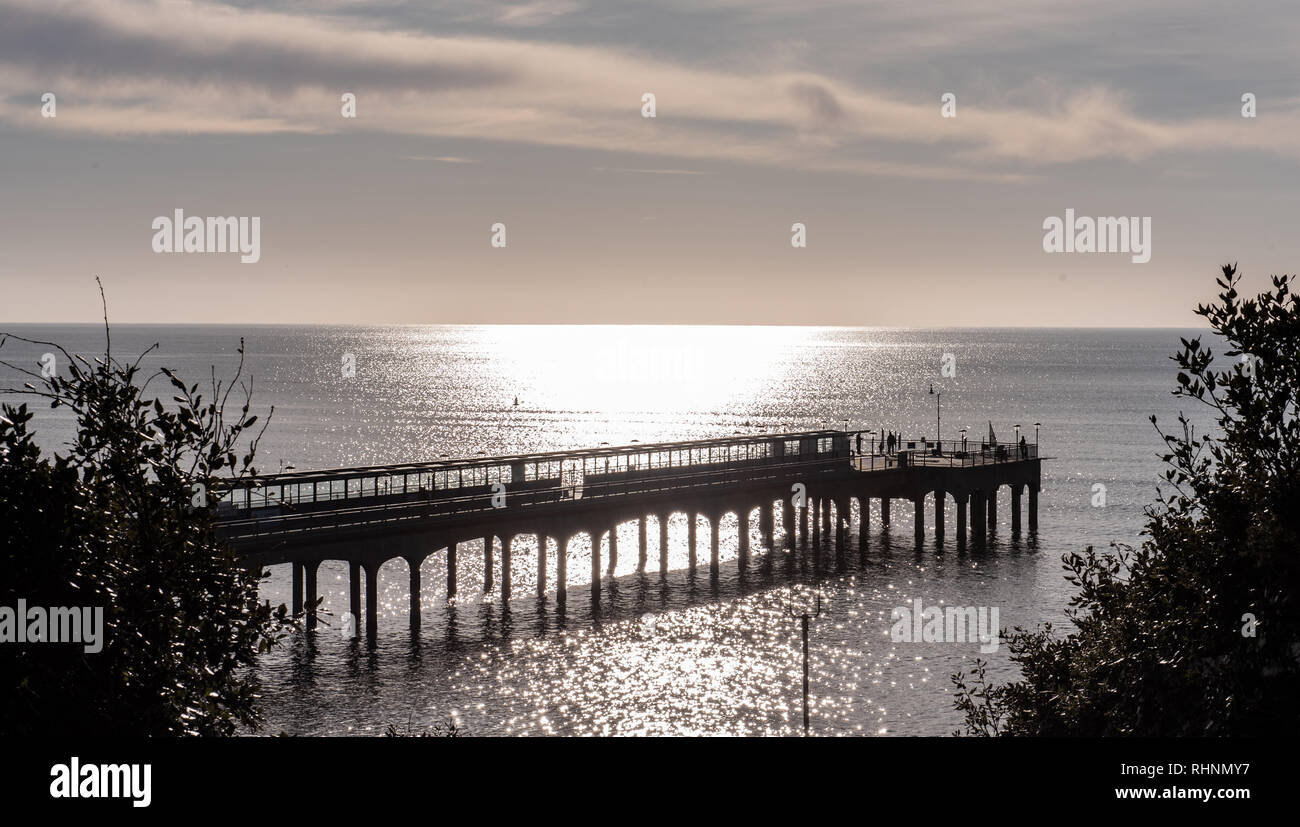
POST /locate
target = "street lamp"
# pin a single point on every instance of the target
(1036, 424)
(804, 617)
(937, 420)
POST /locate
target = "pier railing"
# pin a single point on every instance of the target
(310, 501)
(289, 517)
(955, 453)
(530, 471)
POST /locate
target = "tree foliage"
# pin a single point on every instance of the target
(1195, 631)
(123, 519)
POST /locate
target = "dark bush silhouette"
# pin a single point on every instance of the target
(123, 519)
(1195, 632)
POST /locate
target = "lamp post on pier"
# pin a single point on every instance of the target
(938, 421)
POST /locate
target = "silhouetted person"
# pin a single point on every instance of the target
(1024, 449)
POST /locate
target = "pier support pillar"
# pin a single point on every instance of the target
(767, 523)
(787, 521)
(414, 566)
(841, 523)
(372, 602)
(640, 546)
(562, 568)
(826, 514)
(993, 509)
(939, 504)
(506, 542)
(978, 515)
(692, 530)
(595, 566)
(354, 592)
(884, 512)
(918, 505)
(663, 543)
(451, 570)
(742, 532)
(613, 546)
(961, 519)
(817, 523)
(295, 570)
(715, 522)
(487, 564)
(803, 522)
(541, 564)
(1033, 509)
(1015, 508)
(312, 595)
(864, 523)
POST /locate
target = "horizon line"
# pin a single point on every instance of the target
(111, 324)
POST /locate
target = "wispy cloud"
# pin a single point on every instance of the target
(129, 67)
(652, 171)
(444, 159)
(534, 13)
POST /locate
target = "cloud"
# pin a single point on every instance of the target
(131, 67)
(651, 171)
(444, 159)
(535, 13)
(819, 101)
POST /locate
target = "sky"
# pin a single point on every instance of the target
(530, 115)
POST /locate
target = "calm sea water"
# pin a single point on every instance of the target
(675, 654)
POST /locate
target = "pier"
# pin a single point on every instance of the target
(808, 481)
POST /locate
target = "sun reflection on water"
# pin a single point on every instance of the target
(635, 382)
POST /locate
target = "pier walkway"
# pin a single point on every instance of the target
(807, 480)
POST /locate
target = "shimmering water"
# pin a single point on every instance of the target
(676, 653)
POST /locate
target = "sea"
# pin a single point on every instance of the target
(676, 652)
